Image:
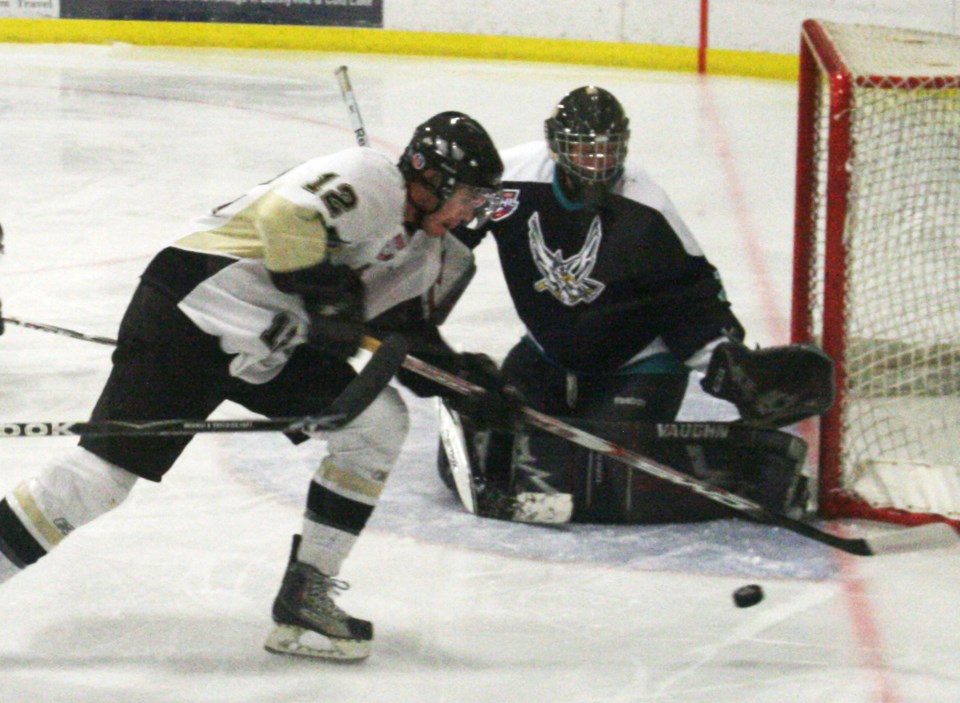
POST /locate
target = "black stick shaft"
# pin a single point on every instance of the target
(359, 393)
(62, 331)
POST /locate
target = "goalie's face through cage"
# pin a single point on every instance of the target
(587, 135)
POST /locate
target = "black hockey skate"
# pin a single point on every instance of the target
(309, 623)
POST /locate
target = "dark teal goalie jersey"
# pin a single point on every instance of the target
(599, 289)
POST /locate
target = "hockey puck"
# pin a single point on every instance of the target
(746, 596)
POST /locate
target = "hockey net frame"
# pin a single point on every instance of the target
(889, 449)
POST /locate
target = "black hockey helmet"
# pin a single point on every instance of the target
(587, 135)
(458, 148)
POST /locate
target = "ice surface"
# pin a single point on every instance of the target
(108, 151)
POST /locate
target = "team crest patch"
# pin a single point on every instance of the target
(509, 202)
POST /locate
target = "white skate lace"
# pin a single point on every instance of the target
(320, 594)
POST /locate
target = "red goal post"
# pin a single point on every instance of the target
(877, 264)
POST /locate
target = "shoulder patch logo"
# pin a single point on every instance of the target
(509, 202)
(392, 247)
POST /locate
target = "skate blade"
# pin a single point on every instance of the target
(300, 642)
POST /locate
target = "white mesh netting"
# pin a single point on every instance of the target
(902, 237)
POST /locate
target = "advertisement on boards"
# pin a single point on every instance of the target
(30, 8)
(329, 13)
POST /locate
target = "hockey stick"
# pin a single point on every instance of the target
(907, 539)
(453, 441)
(356, 121)
(62, 331)
(931, 536)
(360, 392)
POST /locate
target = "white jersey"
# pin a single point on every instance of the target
(346, 208)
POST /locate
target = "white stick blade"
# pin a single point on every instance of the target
(937, 535)
(455, 447)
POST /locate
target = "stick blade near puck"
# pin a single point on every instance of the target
(747, 596)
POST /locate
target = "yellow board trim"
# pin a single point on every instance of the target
(383, 41)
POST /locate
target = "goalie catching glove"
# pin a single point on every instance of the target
(772, 387)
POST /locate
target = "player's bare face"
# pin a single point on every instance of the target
(459, 209)
(466, 204)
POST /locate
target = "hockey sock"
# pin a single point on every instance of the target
(347, 486)
(40, 512)
(18, 548)
(339, 503)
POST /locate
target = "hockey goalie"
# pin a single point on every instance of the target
(629, 336)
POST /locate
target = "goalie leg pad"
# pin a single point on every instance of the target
(544, 463)
(477, 465)
(603, 490)
(456, 458)
(772, 469)
(763, 465)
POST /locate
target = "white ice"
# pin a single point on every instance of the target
(107, 152)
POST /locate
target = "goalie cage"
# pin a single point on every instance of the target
(877, 265)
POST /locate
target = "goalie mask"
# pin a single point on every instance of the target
(459, 151)
(587, 135)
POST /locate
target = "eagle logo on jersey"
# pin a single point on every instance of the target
(567, 279)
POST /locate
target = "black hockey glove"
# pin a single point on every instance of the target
(498, 407)
(333, 297)
(772, 387)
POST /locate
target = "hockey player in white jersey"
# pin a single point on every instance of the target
(262, 303)
(627, 325)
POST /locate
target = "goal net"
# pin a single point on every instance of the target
(877, 264)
